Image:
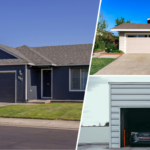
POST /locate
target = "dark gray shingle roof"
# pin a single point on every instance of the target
(50, 55)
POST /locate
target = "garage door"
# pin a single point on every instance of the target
(7, 87)
(138, 43)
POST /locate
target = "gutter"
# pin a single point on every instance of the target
(130, 29)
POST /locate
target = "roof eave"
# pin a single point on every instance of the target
(130, 29)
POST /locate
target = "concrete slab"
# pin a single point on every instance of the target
(128, 64)
(108, 56)
(104, 147)
(40, 123)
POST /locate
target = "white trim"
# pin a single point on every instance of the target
(9, 53)
(70, 80)
(13, 71)
(51, 84)
(130, 29)
(26, 80)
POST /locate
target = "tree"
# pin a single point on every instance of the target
(120, 21)
(107, 124)
(102, 24)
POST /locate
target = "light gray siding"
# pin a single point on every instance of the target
(125, 95)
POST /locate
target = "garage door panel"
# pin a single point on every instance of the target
(115, 146)
(130, 91)
(130, 97)
(129, 86)
(7, 87)
(131, 103)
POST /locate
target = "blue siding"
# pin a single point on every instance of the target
(20, 84)
(61, 84)
(34, 83)
(4, 55)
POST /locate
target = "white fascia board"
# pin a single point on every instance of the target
(130, 29)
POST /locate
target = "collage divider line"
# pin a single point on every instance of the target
(79, 129)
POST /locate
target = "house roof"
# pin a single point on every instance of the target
(49, 55)
(132, 27)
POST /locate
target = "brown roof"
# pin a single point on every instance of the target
(133, 26)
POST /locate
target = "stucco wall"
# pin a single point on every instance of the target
(121, 41)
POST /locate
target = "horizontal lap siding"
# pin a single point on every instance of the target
(61, 85)
(20, 97)
(127, 95)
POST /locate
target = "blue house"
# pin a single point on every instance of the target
(50, 72)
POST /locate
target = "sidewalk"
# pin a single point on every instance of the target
(40, 123)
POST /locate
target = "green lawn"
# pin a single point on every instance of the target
(53, 111)
(99, 63)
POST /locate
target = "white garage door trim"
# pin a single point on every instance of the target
(125, 36)
(13, 71)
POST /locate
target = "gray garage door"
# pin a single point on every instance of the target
(7, 87)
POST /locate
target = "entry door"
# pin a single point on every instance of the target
(47, 83)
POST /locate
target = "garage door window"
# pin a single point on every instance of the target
(142, 35)
(132, 35)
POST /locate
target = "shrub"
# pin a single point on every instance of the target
(101, 45)
(111, 47)
(117, 51)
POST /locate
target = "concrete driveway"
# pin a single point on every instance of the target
(128, 64)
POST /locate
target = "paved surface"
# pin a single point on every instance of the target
(128, 64)
(40, 123)
(37, 138)
(108, 56)
(106, 147)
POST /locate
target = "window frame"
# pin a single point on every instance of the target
(80, 80)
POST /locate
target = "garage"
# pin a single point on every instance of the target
(129, 111)
(134, 37)
(7, 87)
(137, 43)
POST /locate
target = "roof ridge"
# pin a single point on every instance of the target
(62, 45)
(40, 55)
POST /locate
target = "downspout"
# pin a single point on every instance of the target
(26, 80)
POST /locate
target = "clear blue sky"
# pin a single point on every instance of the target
(137, 11)
(47, 22)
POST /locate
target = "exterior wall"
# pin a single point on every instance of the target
(125, 95)
(20, 84)
(94, 135)
(61, 84)
(121, 41)
(4, 55)
(33, 83)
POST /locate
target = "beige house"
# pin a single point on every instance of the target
(134, 37)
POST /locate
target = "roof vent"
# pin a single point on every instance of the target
(148, 20)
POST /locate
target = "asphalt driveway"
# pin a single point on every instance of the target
(37, 138)
(128, 64)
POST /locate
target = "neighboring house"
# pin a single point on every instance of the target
(134, 37)
(50, 72)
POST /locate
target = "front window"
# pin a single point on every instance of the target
(78, 79)
(142, 35)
